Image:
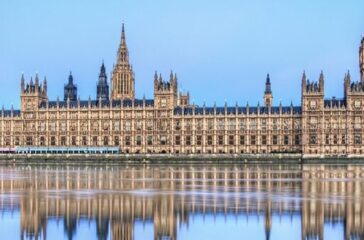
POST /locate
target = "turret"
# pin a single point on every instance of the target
(321, 81)
(70, 90)
(102, 85)
(45, 85)
(268, 96)
(36, 82)
(22, 83)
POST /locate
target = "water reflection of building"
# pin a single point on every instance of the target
(324, 189)
(117, 197)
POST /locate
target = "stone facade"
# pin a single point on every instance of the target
(168, 123)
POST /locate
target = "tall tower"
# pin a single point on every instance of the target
(268, 96)
(361, 59)
(102, 86)
(312, 115)
(122, 80)
(70, 89)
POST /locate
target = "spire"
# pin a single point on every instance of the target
(45, 84)
(321, 81)
(348, 76)
(123, 55)
(267, 85)
(36, 80)
(70, 78)
(171, 76)
(123, 78)
(22, 82)
(304, 78)
(321, 76)
(123, 41)
(102, 75)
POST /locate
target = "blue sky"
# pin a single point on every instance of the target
(221, 50)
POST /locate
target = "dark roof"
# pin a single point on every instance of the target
(334, 102)
(103, 103)
(7, 113)
(233, 110)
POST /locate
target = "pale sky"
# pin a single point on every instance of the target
(221, 50)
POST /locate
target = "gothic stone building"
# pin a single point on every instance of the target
(169, 123)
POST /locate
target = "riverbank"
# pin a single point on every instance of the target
(181, 159)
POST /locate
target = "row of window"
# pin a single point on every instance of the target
(163, 140)
(335, 139)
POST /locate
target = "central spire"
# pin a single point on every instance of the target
(123, 42)
(123, 53)
(122, 80)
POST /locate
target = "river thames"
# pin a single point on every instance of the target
(110, 201)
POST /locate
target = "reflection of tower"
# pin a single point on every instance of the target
(31, 222)
(312, 210)
(165, 223)
(268, 219)
(121, 230)
(70, 226)
(102, 225)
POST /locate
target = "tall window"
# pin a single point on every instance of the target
(84, 140)
(357, 139)
(74, 140)
(139, 140)
(150, 140)
(106, 140)
(209, 140)
(221, 140)
(231, 140)
(94, 140)
(199, 140)
(242, 139)
(275, 140)
(116, 141)
(163, 140)
(177, 140)
(297, 140)
(252, 140)
(188, 140)
(313, 139)
(127, 140)
(264, 140)
(63, 141)
(286, 139)
(53, 141)
(42, 141)
(29, 141)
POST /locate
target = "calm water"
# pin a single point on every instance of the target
(181, 202)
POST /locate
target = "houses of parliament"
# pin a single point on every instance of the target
(170, 123)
